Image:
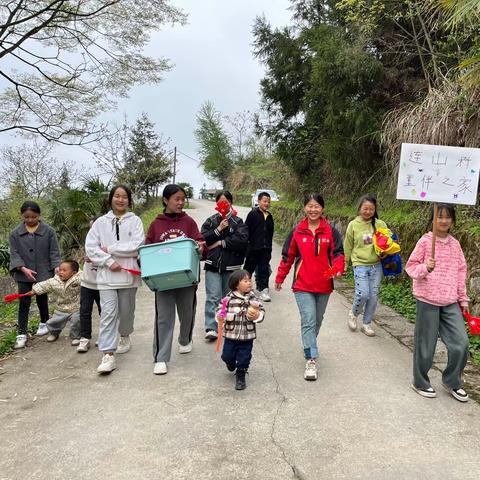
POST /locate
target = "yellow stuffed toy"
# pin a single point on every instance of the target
(384, 242)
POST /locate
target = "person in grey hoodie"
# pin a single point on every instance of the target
(34, 257)
(112, 246)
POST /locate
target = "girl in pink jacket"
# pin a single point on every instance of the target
(440, 290)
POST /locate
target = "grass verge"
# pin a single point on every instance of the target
(8, 321)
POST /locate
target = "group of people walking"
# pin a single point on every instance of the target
(233, 251)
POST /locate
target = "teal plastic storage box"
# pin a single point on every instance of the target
(171, 264)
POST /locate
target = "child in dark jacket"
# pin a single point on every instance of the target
(34, 256)
(243, 311)
(260, 230)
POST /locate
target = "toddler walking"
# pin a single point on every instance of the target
(65, 286)
(243, 312)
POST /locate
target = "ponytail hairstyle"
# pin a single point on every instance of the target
(169, 190)
(315, 197)
(371, 199)
(226, 194)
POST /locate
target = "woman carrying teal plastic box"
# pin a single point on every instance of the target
(173, 223)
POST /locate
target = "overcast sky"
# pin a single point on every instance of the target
(212, 58)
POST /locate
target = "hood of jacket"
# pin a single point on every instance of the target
(359, 219)
(447, 240)
(165, 218)
(112, 216)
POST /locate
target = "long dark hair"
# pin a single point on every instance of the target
(372, 200)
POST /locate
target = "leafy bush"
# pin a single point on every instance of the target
(4, 257)
(475, 347)
(398, 295)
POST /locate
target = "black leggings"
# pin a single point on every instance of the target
(24, 307)
(88, 297)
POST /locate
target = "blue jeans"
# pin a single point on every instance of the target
(367, 283)
(216, 287)
(312, 308)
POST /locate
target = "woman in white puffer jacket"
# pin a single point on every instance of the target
(112, 245)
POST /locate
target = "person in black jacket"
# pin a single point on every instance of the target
(226, 240)
(260, 230)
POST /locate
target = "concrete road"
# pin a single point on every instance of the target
(360, 420)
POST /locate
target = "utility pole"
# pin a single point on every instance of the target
(174, 163)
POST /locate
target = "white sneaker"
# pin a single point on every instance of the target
(20, 342)
(185, 348)
(84, 345)
(75, 342)
(310, 370)
(52, 337)
(368, 330)
(352, 321)
(42, 330)
(264, 295)
(211, 335)
(160, 368)
(108, 364)
(124, 344)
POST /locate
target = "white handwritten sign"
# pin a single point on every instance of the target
(433, 173)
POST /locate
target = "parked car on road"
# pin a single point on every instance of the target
(273, 196)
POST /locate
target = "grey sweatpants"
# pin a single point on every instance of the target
(118, 312)
(58, 321)
(448, 322)
(185, 299)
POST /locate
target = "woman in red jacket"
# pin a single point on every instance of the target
(315, 247)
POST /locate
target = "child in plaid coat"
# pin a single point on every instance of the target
(243, 312)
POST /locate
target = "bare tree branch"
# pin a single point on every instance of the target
(65, 62)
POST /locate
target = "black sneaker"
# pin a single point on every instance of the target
(240, 383)
(231, 367)
(425, 392)
(458, 394)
